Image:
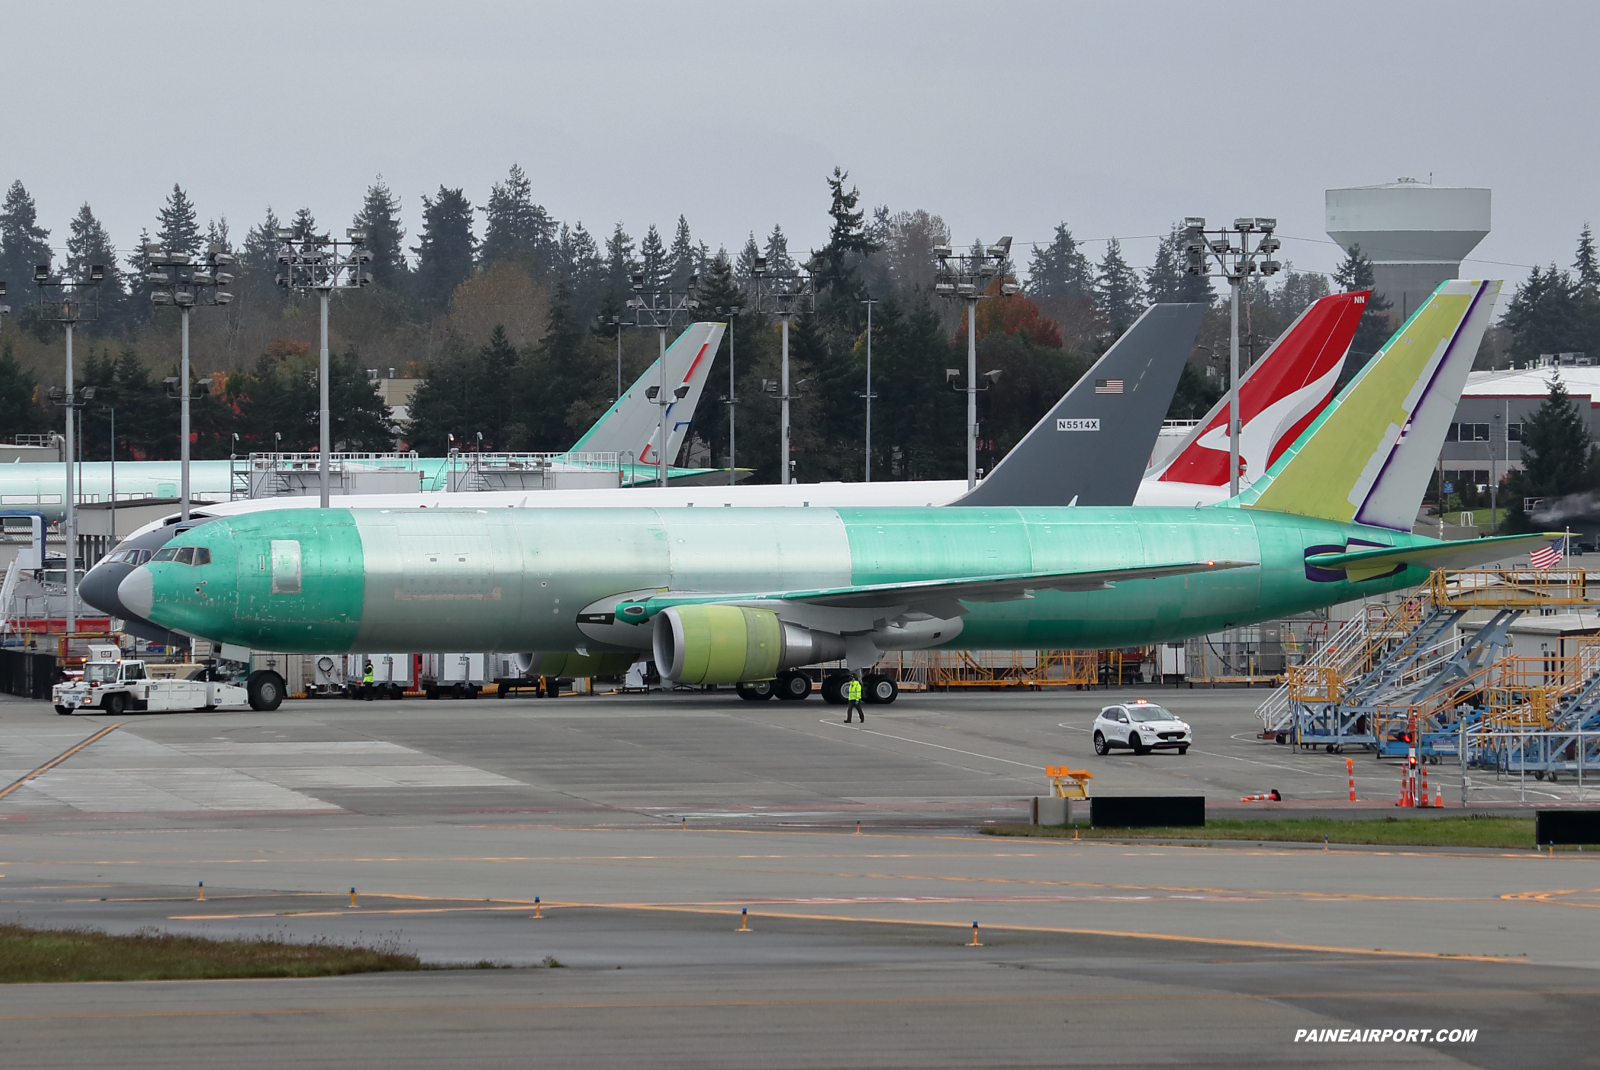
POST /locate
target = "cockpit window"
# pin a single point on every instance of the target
(140, 556)
(183, 555)
(202, 556)
(166, 553)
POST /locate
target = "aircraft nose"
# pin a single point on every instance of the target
(99, 587)
(137, 592)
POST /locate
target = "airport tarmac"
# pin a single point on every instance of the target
(646, 823)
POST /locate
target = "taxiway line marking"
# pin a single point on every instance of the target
(63, 756)
(940, 746)
(962, 999)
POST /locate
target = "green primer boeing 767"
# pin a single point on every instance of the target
(747, 595)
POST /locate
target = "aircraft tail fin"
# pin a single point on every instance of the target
(1368, 457)
(1278, 397)
(632, 425)
(1094, 444)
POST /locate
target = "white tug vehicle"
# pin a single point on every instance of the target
(117, 685)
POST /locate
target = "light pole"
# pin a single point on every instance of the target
(111, 539)
(68, 300)
(1236, 261)
(618, 322)
(658, 309)
(184, 280)
(732, 400)
(966, 277)
(320, 263)
(869, 395)
(785, 296)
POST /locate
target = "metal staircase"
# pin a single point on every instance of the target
(1411, 673)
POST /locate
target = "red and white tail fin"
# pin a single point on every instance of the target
(1278, 398)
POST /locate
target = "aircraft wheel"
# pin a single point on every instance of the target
(757, 691)
(880, 690)
(793, 686)
(266, 690)
(832, 688)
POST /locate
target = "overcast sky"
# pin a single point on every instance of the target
(1118, 118)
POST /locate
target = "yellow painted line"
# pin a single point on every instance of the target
(63, 756)
(724, 908)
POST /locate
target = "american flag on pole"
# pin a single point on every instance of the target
(1548, 556)
(1108, 386)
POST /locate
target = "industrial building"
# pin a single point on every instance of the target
(1485, 441)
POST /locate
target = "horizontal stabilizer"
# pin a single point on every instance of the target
(1462, 553)
(1001, 588)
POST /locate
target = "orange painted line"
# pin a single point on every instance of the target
(58, 759)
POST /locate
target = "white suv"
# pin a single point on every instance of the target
(1141, 725)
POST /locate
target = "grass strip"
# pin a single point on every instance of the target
(36, 955)
(1465, 831)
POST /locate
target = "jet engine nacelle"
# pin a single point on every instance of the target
(732, 644)
(569, 663)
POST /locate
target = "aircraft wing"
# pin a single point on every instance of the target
(1461, 553)
(945, 592)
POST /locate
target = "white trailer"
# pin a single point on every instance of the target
(117, 685)
(460, 675)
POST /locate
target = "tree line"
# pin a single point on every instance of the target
(511, 333)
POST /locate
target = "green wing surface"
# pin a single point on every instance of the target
(1003, 588)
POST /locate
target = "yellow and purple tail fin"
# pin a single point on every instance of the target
(1368, 457)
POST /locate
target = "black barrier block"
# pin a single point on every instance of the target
(1566, 826)
(1147, 811)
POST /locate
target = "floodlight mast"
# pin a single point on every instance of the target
(866, 472)
(659, 308)
(66, 300)
(311, 262)
(732, 400)
(184, 280)
(785, 296)
(966, 277)
(1236, 261)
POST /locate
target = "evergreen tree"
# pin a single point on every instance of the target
(1545, 315)
(682, 258)
(446, 246)
(1117, 289)
(304, 225)
(516, 228)
(261, 247)
(566, 372)
(836, 262)
(88, 244)
(653, 259)
(1167, 281)
(1586, 265)
(379, 220)
(1060, 270)
(23, 243)
(1355, 273)
(779, 262)
(179, 231)
(620, 264)
(745, 267)
(1556, 455)
(19, 414)
(587, 272)
(217, 235)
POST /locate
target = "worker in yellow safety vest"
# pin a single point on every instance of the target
(852, 695)
(366, 681)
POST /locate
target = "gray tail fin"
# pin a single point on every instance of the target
(1094, 445)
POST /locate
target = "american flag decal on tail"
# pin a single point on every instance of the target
(1108, 386)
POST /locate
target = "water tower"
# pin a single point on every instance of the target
(1416, 234)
